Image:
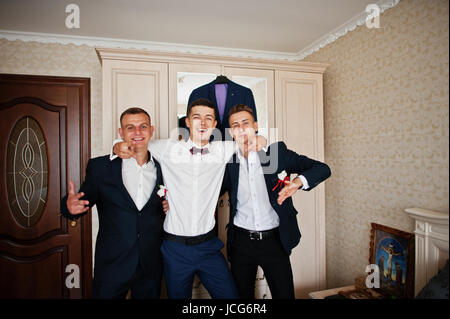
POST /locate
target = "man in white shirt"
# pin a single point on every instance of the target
(263, 227)
(193, 171)
(127, 254)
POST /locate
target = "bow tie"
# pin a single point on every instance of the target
(196, 150)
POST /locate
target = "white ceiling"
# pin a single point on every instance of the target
(269, 25)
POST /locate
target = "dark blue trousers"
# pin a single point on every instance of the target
(141, 285)
(182, 262)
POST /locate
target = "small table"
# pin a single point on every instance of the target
(330, 292)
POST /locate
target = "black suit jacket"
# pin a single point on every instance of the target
(126, 235)
(236, 94)
(277, 158)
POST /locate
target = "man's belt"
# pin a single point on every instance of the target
(257, 235)
(190, 240)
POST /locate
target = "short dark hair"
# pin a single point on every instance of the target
(182, 122)
(202, 102)
(134, 110)
(241, 108)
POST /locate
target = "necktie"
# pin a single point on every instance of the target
(196, 150)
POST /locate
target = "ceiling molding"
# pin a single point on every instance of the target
(144, 45)
(96, 42)
(343, 29)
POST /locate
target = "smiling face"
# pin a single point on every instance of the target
(136, 129)
(242, 127)
(201, 121)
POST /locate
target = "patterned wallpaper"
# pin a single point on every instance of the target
(386, 114)
(18, 57)
(386, 110)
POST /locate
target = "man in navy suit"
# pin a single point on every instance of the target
(224, 94)
(127, 253)
(263, 227)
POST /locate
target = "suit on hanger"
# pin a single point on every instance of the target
(236, 94)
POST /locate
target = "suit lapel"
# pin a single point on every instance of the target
(212, 94)
(118, 180)
(234, 172)
(159, 181)
(234, 168)
(229, 103)
(270, 178)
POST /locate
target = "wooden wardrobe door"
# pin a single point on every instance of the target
(299, 118)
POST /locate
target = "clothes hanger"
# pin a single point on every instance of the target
(221, 79)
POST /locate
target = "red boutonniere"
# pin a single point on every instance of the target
(282, 179)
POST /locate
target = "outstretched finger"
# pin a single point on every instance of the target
(79, 195)
(125, 154)
(71, 188)
(283, 192)
(281, 199)
(85, 209)
(132, 149)
(78, 209)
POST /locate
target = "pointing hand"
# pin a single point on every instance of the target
(74, 204)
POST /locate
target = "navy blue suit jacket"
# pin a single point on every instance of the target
(236, 94)
(126, 235)
(277, 158)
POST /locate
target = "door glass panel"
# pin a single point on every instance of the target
(186, 83)
(27, 171)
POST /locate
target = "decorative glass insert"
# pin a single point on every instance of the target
(27, 171)
(186, 83)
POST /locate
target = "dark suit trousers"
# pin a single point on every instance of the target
(248, 254)
(142, 286)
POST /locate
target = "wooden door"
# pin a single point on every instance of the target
(44, 140)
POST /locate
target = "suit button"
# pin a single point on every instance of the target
(139, 235)
(140, 214)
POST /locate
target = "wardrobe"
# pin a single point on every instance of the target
(289, 102)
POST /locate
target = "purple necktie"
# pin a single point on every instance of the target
(221, 98)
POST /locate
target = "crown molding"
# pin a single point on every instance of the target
(144, 45)
(343, 29)
(111, 43)
(188, 58)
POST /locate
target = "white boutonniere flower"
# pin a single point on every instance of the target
(162, 191)
(282, 175)
(282, 178)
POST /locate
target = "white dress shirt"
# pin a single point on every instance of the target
(254, 211)
(193, 183)
(139, 180)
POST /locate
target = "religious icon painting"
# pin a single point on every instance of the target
(392, 250)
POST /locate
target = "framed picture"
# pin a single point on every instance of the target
(393, 251)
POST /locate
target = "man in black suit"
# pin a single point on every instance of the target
(127, 253)
(263, 227)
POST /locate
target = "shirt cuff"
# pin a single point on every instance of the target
(304, 182)
(113, 156)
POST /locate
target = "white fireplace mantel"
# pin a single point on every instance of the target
(431, 232)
